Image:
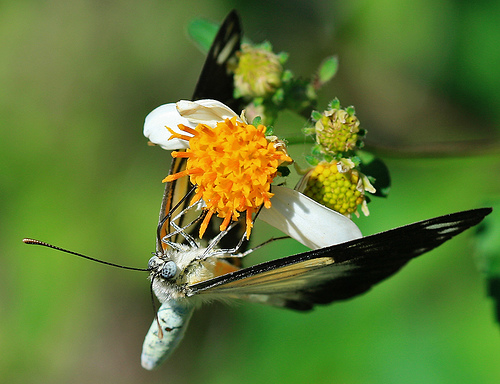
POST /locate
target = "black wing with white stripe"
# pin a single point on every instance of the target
(341, 271)
(215, 82)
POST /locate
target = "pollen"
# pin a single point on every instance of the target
(232, 166)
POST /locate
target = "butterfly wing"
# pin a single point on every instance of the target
(341, 271)
(215, 82)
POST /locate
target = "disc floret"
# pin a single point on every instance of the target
(339, 186)
(232, 166)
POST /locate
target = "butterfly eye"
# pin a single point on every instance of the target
(168, 270)
(153, 263)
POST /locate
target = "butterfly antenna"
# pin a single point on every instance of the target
(38, 242)
(160, 331)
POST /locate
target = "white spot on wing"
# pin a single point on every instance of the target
(444, 228)
(420, 251)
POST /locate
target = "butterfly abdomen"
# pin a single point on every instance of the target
(173, 317)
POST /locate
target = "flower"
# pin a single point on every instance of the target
(337, 185)
(186, 113)
(232, 163)
(337, 130)
(307, 221)
(258, 73)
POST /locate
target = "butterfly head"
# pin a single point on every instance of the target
(173, 271)
(164, 268)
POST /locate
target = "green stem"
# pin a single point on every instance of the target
(291, 140)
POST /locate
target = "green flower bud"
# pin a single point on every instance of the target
(258, 73)
(337, 130)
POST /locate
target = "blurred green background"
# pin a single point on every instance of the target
(76, 81)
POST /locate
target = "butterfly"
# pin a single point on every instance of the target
(188, 274)
(185, 272)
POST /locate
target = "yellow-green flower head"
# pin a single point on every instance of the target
(258, 73)
(337, 130)
(337, 185)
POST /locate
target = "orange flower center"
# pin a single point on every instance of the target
(232, 166)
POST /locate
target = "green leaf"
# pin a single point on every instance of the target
(257, 121)
(317, 150)
(350, 110)
(328, 158)
(282, 57)
(488, 243)
(266, 44)
(334, 104)
(203, 33)
(376, 168)
(328, 69)
(312, 160)
(488, 254)
(315, 115)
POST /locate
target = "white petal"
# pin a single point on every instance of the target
(207, 111)
(155, 127)
(307, 221)
(345, 165)
(367, 185)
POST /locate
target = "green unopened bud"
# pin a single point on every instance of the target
(338, 186)
(258, 73)
(337, 130)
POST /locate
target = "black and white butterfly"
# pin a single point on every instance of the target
(185, 273)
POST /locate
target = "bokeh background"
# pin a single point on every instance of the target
(76, 81)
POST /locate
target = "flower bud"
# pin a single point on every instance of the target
(258, 73)
(337, 130)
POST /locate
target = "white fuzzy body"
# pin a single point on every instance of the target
(173, 317)
(192, 265)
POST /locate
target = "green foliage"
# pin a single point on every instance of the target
(328, 69)
(377, 171)
(202, 32)
(488, 255)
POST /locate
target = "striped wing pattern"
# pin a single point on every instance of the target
(341, 271)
